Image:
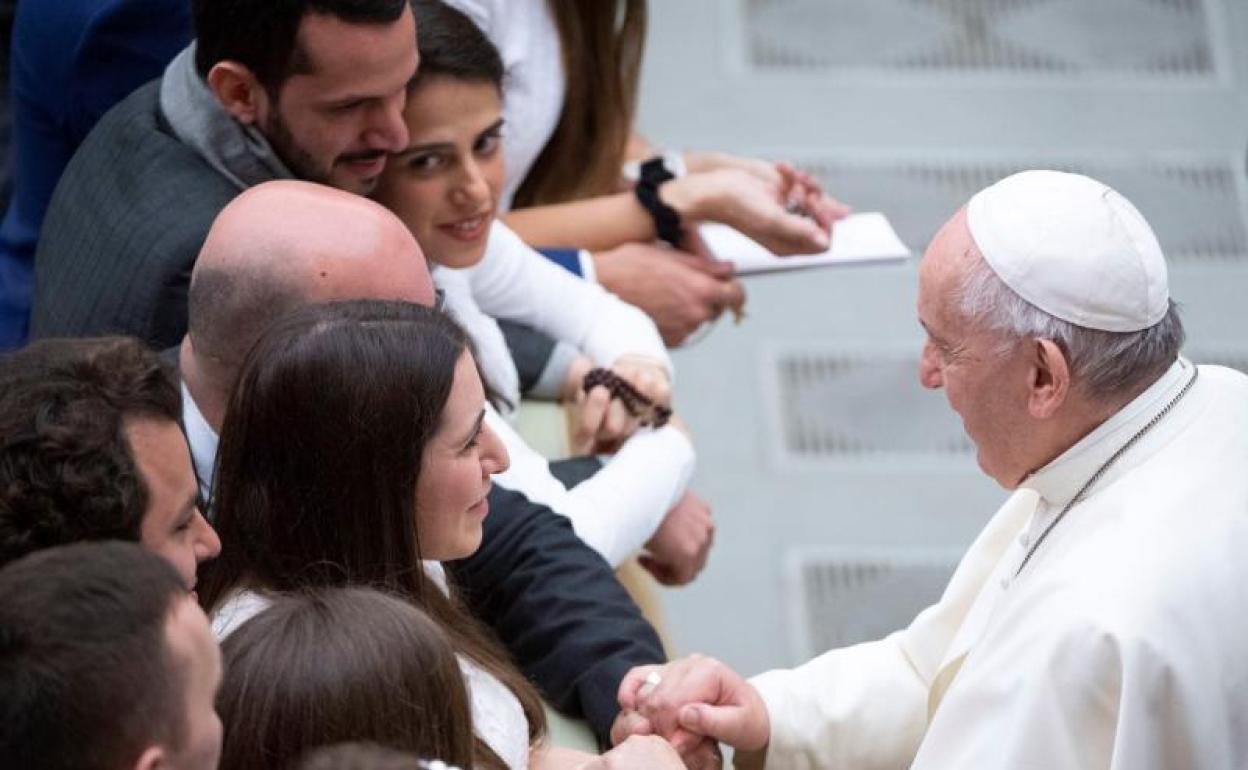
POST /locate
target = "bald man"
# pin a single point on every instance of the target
(275, 247)
(552, 600)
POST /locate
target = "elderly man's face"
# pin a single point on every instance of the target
(988, 390)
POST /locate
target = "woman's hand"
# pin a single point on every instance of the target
(697, 162)
(637, 753)
(602, 423)
(791, 217)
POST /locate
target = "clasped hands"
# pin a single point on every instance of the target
(694, 703)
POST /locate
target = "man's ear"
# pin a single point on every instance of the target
(152, 758)
(1050, 379)
(239, 91)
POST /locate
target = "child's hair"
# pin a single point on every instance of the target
(336, 665)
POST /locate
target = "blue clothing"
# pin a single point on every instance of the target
(568, 259)
(72, 60)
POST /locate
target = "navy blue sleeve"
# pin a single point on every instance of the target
(568, 259)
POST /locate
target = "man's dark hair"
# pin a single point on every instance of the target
(263, 36)
(87, 676)
(67, 472)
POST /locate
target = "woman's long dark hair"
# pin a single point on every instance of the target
(602, 42)
(320, 453)
(340, 664)
(452, 46)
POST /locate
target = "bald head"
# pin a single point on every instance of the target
(283, 244)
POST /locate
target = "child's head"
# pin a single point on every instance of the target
(344, 664)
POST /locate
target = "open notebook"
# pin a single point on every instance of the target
(856, 239)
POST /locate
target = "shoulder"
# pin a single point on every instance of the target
(131, 167)
(235, 610)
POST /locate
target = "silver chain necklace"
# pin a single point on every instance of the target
(1105, 467)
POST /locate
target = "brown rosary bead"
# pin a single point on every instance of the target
(633, 400)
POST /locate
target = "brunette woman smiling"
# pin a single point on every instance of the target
(354, 453)
(445, 186)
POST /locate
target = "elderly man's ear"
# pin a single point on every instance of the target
(1049, 374)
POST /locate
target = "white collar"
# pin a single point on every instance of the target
(1059, 481)
(203, 440)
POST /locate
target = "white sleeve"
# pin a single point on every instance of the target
(618, 509)
(514, 282)
(866, 707)
(861, 707)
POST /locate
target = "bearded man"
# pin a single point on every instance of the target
(1101, 617)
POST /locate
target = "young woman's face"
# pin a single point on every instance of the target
(445, 185)
(455, 471)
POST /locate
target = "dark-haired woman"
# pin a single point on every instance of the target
(573, 69)
(354, 453)
(445, 186)
(341, 664)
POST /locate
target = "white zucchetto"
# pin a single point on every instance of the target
(1074, 248)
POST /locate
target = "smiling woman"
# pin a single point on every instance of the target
(445, 186)
(382, 461)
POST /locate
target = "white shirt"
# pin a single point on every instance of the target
(1120, 644)
(497, 716)
(534, 85)
(616, 510)
(203, 440)
(513, 282)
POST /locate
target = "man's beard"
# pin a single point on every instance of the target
(297, 160)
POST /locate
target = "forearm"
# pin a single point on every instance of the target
(618, 509)
(863, 707)
(595, 224)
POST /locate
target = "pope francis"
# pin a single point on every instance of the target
(1100, 620)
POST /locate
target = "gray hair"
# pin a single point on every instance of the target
(1104, 364)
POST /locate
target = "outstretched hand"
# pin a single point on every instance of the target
(788, 215)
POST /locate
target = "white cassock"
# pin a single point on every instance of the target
(1122, 644)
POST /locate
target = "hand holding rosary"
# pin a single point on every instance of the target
(637, 404)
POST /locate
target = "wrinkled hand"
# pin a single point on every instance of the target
(680, 547)
(696, 698)
(638, 753)
(679, 290)
(600, 424)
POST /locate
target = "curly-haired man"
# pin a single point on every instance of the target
(91, 449)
